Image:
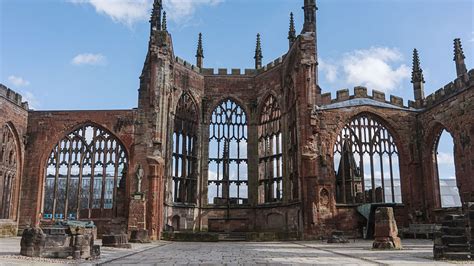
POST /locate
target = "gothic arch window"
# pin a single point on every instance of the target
(366, 163)
(8, 170)
(84, 172)
(292, 163)
(270, 152)
(227, 174)
(184, 163)
(443, 156)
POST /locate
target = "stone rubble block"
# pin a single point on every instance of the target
(386, 231)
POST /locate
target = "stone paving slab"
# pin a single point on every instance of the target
(243, 253)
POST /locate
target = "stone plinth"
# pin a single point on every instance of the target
(139, 236)
(116, 241)
(386, 231)
(59, 242)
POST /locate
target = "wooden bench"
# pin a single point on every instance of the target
(427, 230)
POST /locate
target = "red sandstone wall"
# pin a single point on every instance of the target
(45, 129)
(15, 114)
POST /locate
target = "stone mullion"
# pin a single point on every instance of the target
(68, 177)
(55, 196)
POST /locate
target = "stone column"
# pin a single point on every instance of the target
(155, 196)
(386, 231)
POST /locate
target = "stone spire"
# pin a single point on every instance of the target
(199, 52)
(258, 53)
(309, 16)
(155, 21)
(417, 78)
(164, 26)
(459, 58)
(292, 31)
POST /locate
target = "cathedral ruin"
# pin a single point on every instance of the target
(253, 151)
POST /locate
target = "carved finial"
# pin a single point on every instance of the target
(309, 16)
(163, 24)
(417, 79)
(258, 53)
(199, 52)
(155, 20)
(417, 72)
(459, 57)
(292, 31)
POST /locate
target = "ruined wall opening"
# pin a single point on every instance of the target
(270, 152)
(85, 172)
(227, 174)
(292, 143)
(8, 171)
(443, 156)
(366, 163)
(184, 157)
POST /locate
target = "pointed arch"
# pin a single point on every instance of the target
(366, 162)
(10, 161)
(84, 173)
(227, 166)
(184, 167)
(444, 171)
(270, 150)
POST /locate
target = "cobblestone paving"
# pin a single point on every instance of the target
(243, 253)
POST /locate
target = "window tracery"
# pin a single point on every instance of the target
(184, 157)
(227, 174)
(8, 170)
(366, 163)
(270, 152)
(83, 173)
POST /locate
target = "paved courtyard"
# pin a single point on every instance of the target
(234, 253)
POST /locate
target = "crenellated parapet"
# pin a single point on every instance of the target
(460, 84)
(13, 97)
(361, 93)
(239, 72)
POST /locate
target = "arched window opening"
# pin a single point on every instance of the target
(227, 174)
(8, 170)
(83, 175)
(184, 157)
(444, 150)
(366, 163)
(270, 152)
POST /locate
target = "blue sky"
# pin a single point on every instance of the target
(88, 54)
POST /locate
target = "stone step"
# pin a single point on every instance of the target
(454, 240)
(458, 248)
(456, 231)
(454, 223)
(457, 255)
(233, 236)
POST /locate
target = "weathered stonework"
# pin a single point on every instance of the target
(386, 231)
(310, 123)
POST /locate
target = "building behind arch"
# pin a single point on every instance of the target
(259, 150)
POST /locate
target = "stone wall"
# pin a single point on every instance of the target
(14, 115)
(45, 130)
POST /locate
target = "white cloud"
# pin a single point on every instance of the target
(445, 158)
(330, 70)
(181, 11)
(129, 12)
(88, 59)
(374, 68)
(18, 81)
(29, 97)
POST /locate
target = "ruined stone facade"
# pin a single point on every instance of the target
(260, 151)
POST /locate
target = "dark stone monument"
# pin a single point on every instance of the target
(139, 236)
(116, 241)
(62, 240)
(386, 231)
(337, 237)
